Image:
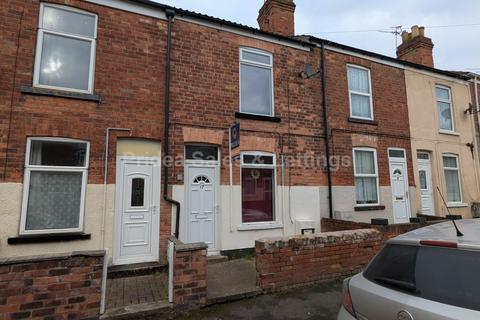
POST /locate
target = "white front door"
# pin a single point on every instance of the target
(137, 221)
(201, 196)
(425, 181)
(399, 184)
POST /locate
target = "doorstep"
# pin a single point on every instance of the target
(135, 269)
(216, 259)
(156, 310)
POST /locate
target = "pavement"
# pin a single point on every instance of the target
(320, 302)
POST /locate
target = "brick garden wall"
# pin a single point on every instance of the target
(189, 273)
(388, 231)
(51, 287)
(300, 260)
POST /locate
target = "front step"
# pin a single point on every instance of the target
(135, 269)
(216, 259)
(156, 310)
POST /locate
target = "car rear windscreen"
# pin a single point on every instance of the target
(446, 275)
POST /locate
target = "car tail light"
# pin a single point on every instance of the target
(434, 243)
(347, 298)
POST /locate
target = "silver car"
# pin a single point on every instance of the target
(426, 274)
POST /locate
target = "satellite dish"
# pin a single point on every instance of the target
(308, 71)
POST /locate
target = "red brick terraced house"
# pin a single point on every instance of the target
(115, 118)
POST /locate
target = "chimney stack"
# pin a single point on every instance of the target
(277, 16)
(416, 47)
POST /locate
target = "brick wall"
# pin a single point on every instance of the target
(286, 262)
(205, 94)
(390, 128)
(189, 274)
(51, 287)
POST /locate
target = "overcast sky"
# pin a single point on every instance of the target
(456, 48)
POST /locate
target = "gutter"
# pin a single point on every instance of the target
(170, 13)
(326, 129)
(371, 54)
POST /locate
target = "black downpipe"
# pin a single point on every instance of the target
(326, 132)
(166, 125)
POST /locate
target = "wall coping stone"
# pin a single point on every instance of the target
(50, 257)
(185, 247)
(319, 239)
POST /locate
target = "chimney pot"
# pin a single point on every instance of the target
(415, 31)
(416, 47)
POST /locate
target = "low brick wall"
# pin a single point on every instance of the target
(389, 231)
(286, 262)
(189, 274)
(64, 286)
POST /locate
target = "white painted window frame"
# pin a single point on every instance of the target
(274, 223)
(258, 65)
(450, 103)
(26, 185)
(38, 53)
(366, 175)
(457, 169)
(350, 92)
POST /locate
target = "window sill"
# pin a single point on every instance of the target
(369, 208)
(457, 205)
(28, 239)
(259, 226)
(452, 133)
(241, 115)
(363, 121)
(59, 93)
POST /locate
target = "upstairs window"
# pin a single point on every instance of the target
(54, 185)
(366, 176)
(444, 107)
(65, 55)
(256, 82)
(452, 178)
(359, 88)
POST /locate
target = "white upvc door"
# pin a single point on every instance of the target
(399, 185)
(201, 185)
(137, 213)
(426, 189)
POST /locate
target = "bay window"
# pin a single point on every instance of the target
(54, 185)
(65, 55)
(359, 88)
(452, 178)
(256, 82)
(258, 187)
(366, 176)
(444, 107)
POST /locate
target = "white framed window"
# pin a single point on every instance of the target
(258, 187)
(452, 178)
(360, 92)
(444, 108)
(366, 176)
(54, 185)
(256, 82)
(65, 54)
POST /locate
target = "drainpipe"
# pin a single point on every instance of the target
(166, 124)
(326, 132)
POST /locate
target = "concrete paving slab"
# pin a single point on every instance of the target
(231, 280)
